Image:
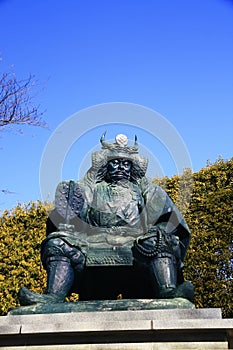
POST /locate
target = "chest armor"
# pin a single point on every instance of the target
(116, 204)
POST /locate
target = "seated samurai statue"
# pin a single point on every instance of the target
(113, 233)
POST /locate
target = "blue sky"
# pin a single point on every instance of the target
(173, 57)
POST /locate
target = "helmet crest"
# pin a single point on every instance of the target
(120, 144)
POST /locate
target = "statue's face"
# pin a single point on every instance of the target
(119, 169)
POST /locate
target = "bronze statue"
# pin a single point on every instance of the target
(114, 232)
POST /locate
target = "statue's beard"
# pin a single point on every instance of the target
(119, 175)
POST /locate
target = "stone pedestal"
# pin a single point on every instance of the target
(160, 329)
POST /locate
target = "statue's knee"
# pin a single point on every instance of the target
(53, 247)
(77, 260)
(144, 250)
(58, 249)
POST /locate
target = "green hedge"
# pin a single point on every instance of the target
(209, 214)
(208, 263)
(22, 230)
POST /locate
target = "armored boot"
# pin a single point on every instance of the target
(164, 275)
(60, 277)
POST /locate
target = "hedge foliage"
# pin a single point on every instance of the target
(206, 200)
(22, 230)
(204, 197)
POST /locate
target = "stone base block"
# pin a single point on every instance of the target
(129, 346)
(149, 329)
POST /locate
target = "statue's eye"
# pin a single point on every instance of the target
(126, 163)
(115, 162)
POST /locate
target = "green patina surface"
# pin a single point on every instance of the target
(104, 305)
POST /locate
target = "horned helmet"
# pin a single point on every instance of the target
(120, 150)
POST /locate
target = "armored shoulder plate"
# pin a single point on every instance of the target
(69, 199)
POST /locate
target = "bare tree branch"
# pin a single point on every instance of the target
(16, 102)
(16, 105)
